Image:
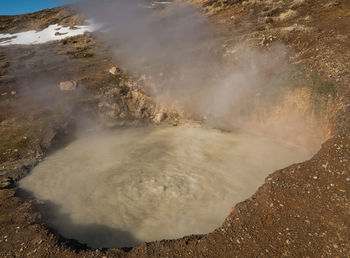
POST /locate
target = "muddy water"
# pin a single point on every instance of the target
(119, 188)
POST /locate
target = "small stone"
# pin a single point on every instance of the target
(4, 184)
(68, 85)
(13, 92)
(331, 4)
(307, 18)
(122, 115)
(290, 14)
(315, 177)
(115, 70)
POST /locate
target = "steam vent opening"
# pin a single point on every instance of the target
(123, 187)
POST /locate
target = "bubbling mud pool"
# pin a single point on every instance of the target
(122, 187)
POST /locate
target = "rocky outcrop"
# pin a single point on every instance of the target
(117, 103)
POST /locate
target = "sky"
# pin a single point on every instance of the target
(8, 7)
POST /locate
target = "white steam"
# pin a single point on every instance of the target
(187, 68)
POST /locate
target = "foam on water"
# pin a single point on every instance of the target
(126, 186)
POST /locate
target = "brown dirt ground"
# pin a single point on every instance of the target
(301, 210)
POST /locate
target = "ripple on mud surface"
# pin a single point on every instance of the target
(122, 187)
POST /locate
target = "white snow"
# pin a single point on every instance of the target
(46, 35)
(162, 2)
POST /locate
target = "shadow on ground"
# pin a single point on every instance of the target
(89, 235)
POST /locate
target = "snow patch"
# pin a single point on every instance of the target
(51, 33)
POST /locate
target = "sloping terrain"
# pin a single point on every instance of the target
(301, 210)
